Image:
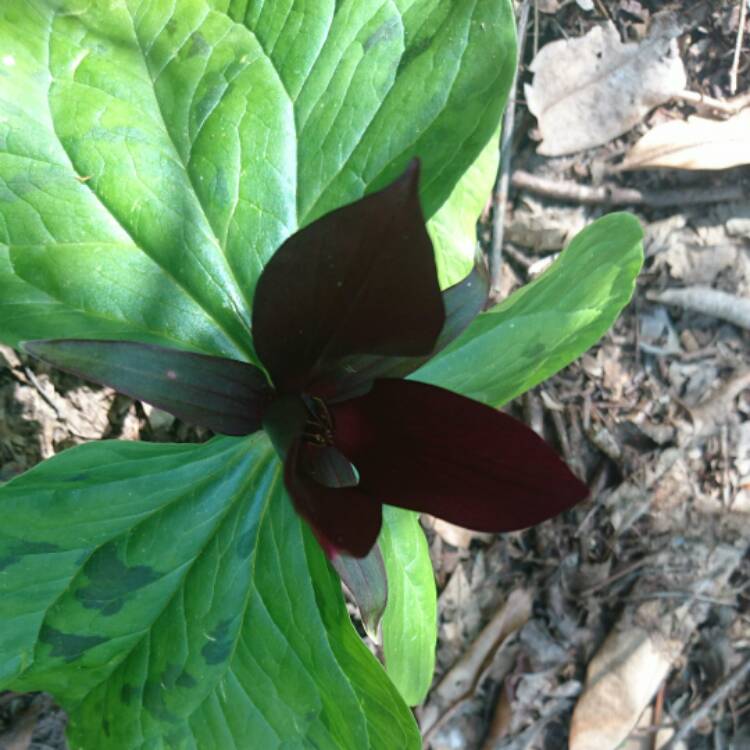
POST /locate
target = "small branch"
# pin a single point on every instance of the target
(727, 106)
(734, 70)
(38, 386)
(614, 195)
(733, 680)
(713, 302)
(500, 199)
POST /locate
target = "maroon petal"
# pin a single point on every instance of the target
(463, 302)
(361, 280)
(424, 448)
(222, 394)
(344, 519)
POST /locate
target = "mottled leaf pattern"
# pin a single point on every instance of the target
(180, 589)
(545, 325)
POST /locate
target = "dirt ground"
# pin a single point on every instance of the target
(634, 606)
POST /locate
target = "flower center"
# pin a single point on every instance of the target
(319, 425)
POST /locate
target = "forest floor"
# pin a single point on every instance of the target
(633, 609)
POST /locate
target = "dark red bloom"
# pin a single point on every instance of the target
(345, 308)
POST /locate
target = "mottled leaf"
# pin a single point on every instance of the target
(169, 596)
(154, 156)
(546, 324)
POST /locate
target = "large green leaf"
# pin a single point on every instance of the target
(154, 155)
(410, 620)
(545, 325)
(453, 228)
(169, 597)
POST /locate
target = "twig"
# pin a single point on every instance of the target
(734, 70)
(519, 257)
(713, 302)
(656, 716)
(614, 195)
(500, 199)
(625, 570)
(723, 691)
(35, 382)
(727, 106)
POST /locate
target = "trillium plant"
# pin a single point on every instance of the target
(344, 307)
(259, 217)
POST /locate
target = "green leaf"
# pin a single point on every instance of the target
(410, 620)
(153, 156)
(545, 325)
(453, 228)
(169, 596)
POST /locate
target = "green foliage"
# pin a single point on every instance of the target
(410, 620)
(545, 325)
(169, 594)
(153, 156)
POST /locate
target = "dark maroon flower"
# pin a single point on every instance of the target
(344, 309)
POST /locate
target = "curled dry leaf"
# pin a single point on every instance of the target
(608, 86)
(620, 681)
(636, 656)
(695, 143)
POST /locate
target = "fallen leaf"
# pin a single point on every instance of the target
(543, 228)
(695, 143)
(643, 737)
(608, 87)
(621, 680)
(637, 655)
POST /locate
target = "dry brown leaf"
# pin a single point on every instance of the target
(643, 737)
(636, 656)
(606, 87)
(543, 228)
(695, 143)
(621, 680)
